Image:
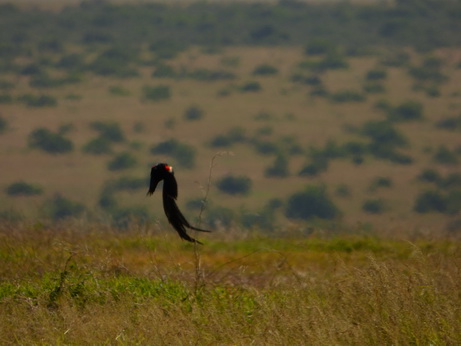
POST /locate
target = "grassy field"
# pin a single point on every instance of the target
(83, 284)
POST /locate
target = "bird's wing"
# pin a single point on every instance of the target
(155, 178)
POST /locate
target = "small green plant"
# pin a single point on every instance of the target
(234, 185)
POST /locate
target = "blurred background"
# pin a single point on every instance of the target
(280, 115)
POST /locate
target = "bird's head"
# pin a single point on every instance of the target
(158, 173)
(163, 168)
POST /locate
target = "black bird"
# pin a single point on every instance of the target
(163, 171)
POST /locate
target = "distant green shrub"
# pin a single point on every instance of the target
(312, 203)
(265, 70)
(314, 167)
(220, 217)
(395, 58)
(167, 48)
(193, 113)
(319, 91)
(265, 147)
(220, 141)
(252, 86)
(374, 88)
(124, 218)
(452, 123)
(183, 154)
(115, 62)
(38, 101)
(428, 71)
(6, 98)
(117, 90)
(343, 190)
(407, 111)
(127, 183)
(347, 96)
(445, 156)
(430, 175)
(234, 185)
(451, 182)
(263, 116)
(373, 206)
(385, 139)
(73, 61)
(311, 79)
(318, 47)
(376, 74)
(156, 93)
(43, 80)
(98, 146)
(380, 182)
(279, 168)
(195, 204)
(53, 143)
(110, 131)
(6, 85)
(59, 208)
(21, 188)
(430, 200)
(332, 61)
(234, 135)
(204, 74)
(3, 125)
(164, 71)
(122, 161)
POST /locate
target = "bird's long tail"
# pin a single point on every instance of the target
(177, 219)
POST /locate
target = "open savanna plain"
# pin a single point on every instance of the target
(247, 120)
(83, 284)
(318, 142)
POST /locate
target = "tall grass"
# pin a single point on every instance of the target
(90, 285)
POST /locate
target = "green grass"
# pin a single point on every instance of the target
(77, 285)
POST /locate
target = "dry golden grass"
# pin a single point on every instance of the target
(93, 285)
